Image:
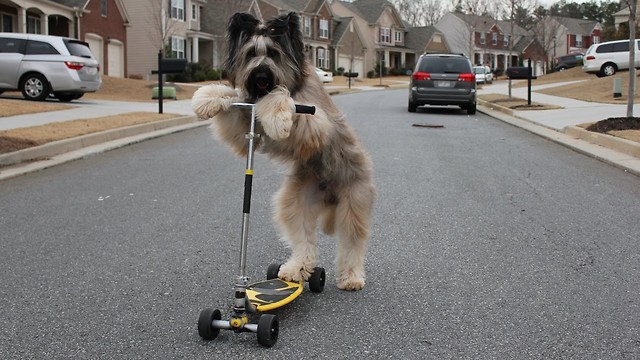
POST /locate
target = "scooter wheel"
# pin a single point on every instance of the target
(316, 281)
(273, 270)
(205, 326)
(268, 328)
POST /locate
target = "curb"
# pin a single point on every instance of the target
(611, 153)
(58, 152)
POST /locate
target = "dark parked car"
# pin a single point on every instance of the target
(443, 79)
(568, 61)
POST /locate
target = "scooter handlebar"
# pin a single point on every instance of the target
(300, 109)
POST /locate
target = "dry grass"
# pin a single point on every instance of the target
(17, 139)
(11, 107)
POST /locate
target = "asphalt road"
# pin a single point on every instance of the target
(488, 243)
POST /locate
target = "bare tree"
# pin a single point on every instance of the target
(162, 24)
(420, 12)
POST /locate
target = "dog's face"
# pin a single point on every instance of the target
(263, 56)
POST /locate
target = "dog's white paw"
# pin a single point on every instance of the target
(295, 272)
(275, 112)
(211, 99)
(349, 280)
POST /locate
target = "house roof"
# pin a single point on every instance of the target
(479, 22)
(418, 37)
(81, 4)
(310, 6)
(370, 10)
(341, 28)
(215, 21)
(576, 26)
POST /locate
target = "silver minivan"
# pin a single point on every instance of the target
(41, 66)
(605, 59)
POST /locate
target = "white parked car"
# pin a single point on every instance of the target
(42, 65)
(324, 76)
(605, 59)
(483, 74)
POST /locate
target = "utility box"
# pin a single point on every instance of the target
(617, 87)
(168, 92)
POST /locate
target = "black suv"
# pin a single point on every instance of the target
(568, 61)
(443, 79)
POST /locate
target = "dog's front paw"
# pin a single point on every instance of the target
(275, 112)
(211, 99)
(349, 280)
(295, 272)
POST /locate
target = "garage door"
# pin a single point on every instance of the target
(95, 44)
(358, 65)
(115, 53)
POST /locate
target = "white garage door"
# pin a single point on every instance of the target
(95, 44)
(116, 58)
(358, 65)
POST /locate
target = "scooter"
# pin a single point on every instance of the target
(261, 296)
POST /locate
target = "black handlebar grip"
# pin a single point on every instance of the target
(305, 109)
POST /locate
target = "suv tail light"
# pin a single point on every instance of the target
(74, 65)
(467, 77)
(421, 76)
(590, 57)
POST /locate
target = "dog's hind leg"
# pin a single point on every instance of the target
(353, 215)
(297, 206)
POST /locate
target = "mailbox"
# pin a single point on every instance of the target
(351, 74)
(173, 66)
(519, 72)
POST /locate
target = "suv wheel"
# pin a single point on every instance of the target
(34, 87)
(412, 106)
(608, 69)
(471, 109)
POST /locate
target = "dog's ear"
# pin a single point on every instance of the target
(242, 26)
(285, 30)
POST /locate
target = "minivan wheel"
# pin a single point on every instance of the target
(471, 109)
(608, 69)
(34, 87)
(412, 106)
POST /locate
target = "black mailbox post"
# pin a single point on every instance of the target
(521, 73)
(167, 66)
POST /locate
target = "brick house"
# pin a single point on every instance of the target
(574, 35)
(101, 23)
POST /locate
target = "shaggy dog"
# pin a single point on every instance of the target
(330, 178)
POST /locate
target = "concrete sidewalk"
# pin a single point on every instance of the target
(555, 125)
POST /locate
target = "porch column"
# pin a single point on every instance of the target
(403, 59)
(44, 19)
(195, 49)
(22, 20)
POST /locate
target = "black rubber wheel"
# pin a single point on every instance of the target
(205, 329)
(272, 271)
(608, 69)
(34, 87)
(412, 107)
(268, 328)
(471, 110)
(316, 281)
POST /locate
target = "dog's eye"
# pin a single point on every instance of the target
(272, 53)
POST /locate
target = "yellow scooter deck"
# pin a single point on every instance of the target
(271, 294)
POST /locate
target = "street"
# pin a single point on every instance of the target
(488, 242)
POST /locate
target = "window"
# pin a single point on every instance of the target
(7, 23)
(177, 47)
(483, 38)
(324, 29)
(103, 8)
(11, 45)
(505, 40)
(40, 48)
(578, 40)
(398, 36)
(177, 9)
(320, 61)
(385, 35)
(306, 26)
(33, 25)
(194, 12)
(596, 39)
(494, 38)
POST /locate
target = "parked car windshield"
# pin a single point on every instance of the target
(479, 70)
(442, 65)
(78, 48)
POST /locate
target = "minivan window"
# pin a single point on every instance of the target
(11, 45)
(606, 48)
(40, 48)
(621, 47)
(79, 48)
(444, 65)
